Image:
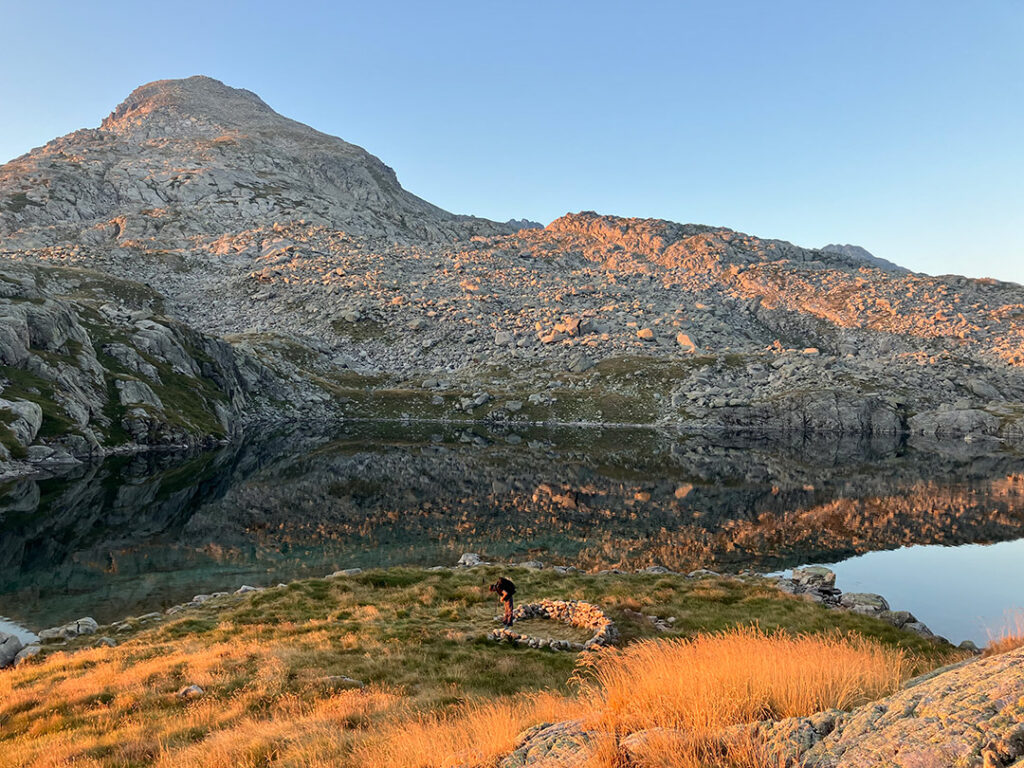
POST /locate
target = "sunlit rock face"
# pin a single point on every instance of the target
(306, 250)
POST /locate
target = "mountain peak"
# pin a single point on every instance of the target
(189, 103)
(211, 159)
(857, 253)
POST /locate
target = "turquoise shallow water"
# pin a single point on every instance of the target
(136, 534)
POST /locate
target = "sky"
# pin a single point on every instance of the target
(894, 125)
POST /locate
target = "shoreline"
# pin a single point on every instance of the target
(813, 583)
(21, 468)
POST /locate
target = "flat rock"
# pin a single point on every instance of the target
(814, 577)
(864, 602)
(84, 626)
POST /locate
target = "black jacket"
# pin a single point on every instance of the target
(504, 588)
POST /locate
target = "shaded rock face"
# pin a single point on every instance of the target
(79, 374)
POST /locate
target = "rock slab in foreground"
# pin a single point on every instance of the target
(561, 745)
(945, 721)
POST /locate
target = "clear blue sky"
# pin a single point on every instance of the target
(895, 125)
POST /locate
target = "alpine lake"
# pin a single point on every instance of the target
(938, 528)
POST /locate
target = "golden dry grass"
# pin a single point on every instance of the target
(696, 687)
(472, 735)
(705, 683)
(699, 685)
(439, 696)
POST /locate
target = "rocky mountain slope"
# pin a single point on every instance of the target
(266, 233)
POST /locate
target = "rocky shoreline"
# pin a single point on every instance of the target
(814, 583)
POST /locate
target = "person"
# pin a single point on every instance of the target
(505, 589)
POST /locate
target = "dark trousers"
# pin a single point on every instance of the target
(507, 603)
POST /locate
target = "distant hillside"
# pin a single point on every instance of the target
(305, 251)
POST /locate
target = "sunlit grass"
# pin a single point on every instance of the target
(688, 691)
(417, 639)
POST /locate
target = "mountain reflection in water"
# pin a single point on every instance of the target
(136, 534)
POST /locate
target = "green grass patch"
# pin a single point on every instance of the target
(7, 438)
(425, 630)
(24, 385)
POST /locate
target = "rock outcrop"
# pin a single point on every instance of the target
(951, 719)
(864, 255)
(82, 372)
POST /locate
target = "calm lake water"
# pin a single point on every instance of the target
(937, 531)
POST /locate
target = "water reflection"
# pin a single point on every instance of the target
(971, 592)
(135, 534)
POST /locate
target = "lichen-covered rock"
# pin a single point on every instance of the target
(561, 745)
(943, 722)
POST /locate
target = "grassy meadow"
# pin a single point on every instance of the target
(437, 692)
